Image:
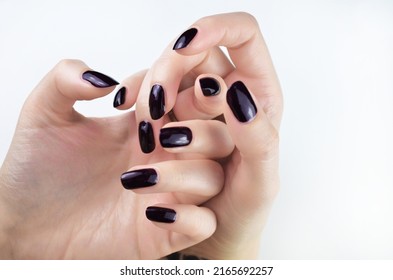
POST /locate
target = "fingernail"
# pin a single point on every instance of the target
(157, 102)
(139, 178)
(146, 137)
(160, 214)
(98, 79)
(209, 86)
(185, 39)
(120, 97)
(175, 136)
(240, 101)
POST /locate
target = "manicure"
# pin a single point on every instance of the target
(185, 39)
(146, 137)
(120, 97)
(240, 101)
(98, 79)
(175, 136)
(160, 214)
(209, 86)
(157, 102)
(139, 178)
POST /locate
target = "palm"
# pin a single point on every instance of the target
(85, 209)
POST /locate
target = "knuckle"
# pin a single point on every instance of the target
(249, 17)
(65, 64)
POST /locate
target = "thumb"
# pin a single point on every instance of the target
(67, 82)
(256, 140)
(254, 135)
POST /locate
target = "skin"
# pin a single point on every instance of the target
(60, 194)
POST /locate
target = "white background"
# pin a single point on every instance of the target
(335, 63)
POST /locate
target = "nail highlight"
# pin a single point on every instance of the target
(185, 39)
(172, 137)
(240, 101)
(141, 178)
(120, 97)
(98, 79)
(209, 86)
(157, 102)
(146, 137)
(160, 214)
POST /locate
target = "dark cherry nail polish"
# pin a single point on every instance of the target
(98, 79)
(185, 39)
(175, 136)
(146, 137)
(240, 101)
(160, 214)
(209, 86)
(120, 97)
(139, 178)
(157, 102)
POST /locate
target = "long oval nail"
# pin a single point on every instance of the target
(209, 86)
(185, 39)
(160, 214)
(120, 97)
(140, 178)
(172, 137)
(98, 79)
(146, 137)
(157, 102)
(240, 101)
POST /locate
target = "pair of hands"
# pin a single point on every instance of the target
(60, 192)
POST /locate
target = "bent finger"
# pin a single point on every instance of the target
(69, 81)
(199, 179)
(126, 96)
(203, 101)
(239, 32)
(208, 139)
(187, 224)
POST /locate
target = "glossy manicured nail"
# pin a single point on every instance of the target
(185, 39)
(160, 214)
(141, 178)
(209, 86)
(240, 101)
(120, 97)
(157, 102)
(146, 137)
(179, 136)
(98, 79)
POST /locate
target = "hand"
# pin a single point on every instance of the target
(252, 111)
(60, 190)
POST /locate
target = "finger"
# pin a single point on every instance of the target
(126, 96)
(187, 224)
(67, 82)
(256, 140)
(239, 32)
(203, 101)
(158, 92)
(209, 139)
(194, 181)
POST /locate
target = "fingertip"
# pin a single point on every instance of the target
(126, 96)
(185, 38)
(194, 223)
(120, 98)
(203, 101)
